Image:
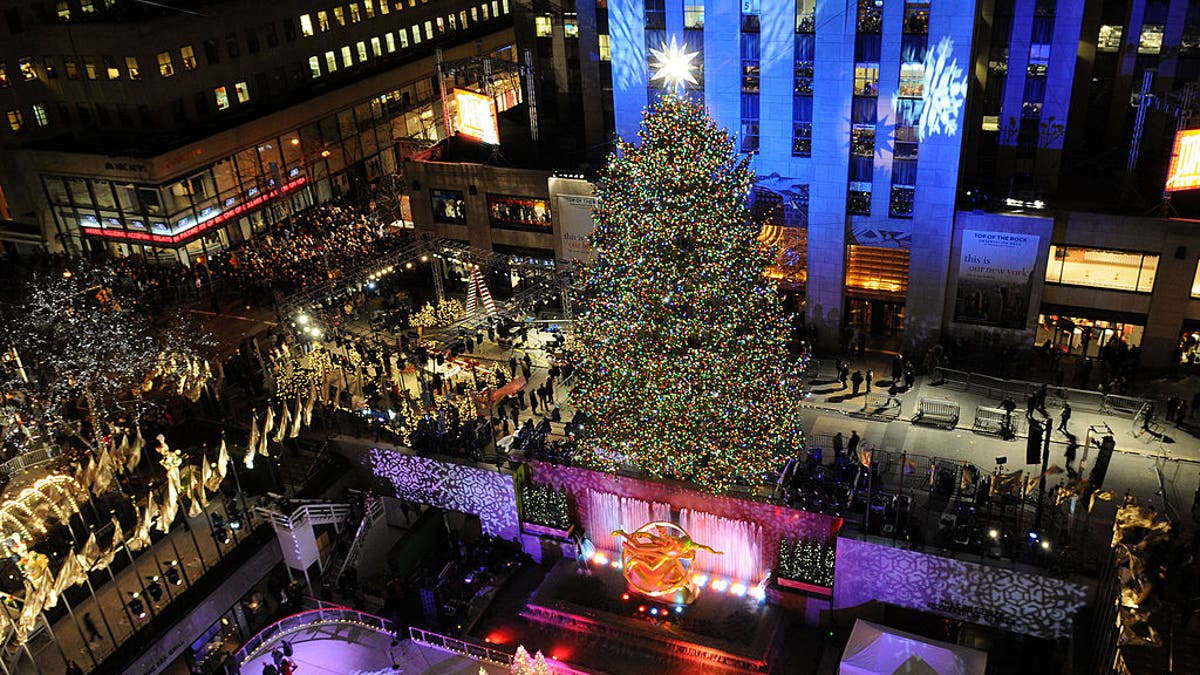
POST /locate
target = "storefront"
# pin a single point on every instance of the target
(1083, 332)
(876, 291)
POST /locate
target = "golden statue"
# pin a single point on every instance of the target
(657, 559)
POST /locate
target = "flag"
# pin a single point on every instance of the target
(308, 405)
(89, 474)
(908, 465)
(206, 472)
(218, 473)
(967, 479)
(103, 476)
(121, 452)
(1106, 495)
(135, 452)
(140, 538)
(1031, 484)
(269, 422)
(864, 456)
(284, 422)
(91, 554)
(297, 418)
(1008, 483)
(69, 574)
(169, 508)
(253, 443)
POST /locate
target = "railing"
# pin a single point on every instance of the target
(27, 460)
(411, 250)
(316, 514)
(459, 646)
(291, 624)
(1083, 399)
(373, 515)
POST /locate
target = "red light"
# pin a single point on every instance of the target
(641, 608)
(496, 637)
(624, 596)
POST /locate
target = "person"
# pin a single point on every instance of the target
(1072, 447)
(856, 381)
(73, 668)
(870, 378)
(277, 657)
(893, 400)
(89, 625)
(838, 446)
(1064, 418)
(270, 669)
(1148, 417)
(852, 445)
(512, 366)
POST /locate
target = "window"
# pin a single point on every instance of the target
(25, 66)
(416, 31)
(314, 66)
(339, 15)
(369, 8)
(188, 56)
(355, 13)
(802, 126)
(403, 34)
(916, 18)
(1109, 39)
(16, 121)
(571, 28)
(91, 68)
(4, 81)
(428, 30)
(62, 10)
(231, 45)
(47, 66)
(1196, 282)
(912, 79)
(131, 67)
(331, 64)
(519, 213)
(347, 57)
(1101, 268)
(306, 26)
(211, 53)
(858, 199)
(242, 91)
(542, 26)
(71, 65)
(605, 47)
(376, 47)
(448, 206)
(693, 17)
(876, 269)
(361, 47)
(272, 35)
(870, 16)
(323, 21)
(251, 40)
(1151, 40)
(39, 115)
(866, 79)
(222, 98)
(389, 41)
(900, 205)
(806, 16)
(111, 70)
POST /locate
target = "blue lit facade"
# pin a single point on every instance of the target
(855, 114)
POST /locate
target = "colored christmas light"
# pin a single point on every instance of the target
(684, 366)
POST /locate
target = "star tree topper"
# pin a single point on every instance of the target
(674, 65)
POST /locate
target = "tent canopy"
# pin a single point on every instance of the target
(874, 649)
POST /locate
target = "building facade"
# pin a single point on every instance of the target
(174, 133)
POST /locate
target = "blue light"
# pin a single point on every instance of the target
(679, 609)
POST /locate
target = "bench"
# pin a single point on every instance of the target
(991, 420)
(938, 412)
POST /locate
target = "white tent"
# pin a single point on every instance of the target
(878, 650)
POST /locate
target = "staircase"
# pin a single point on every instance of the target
(374, 514)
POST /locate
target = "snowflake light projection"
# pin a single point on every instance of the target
(673, 65)
(945, 92)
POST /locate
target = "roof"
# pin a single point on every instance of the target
(876, 649)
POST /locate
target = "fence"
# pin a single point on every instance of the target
(313, 617)
(26, 460)
(1082, 399)
(459, 646)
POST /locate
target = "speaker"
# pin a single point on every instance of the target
(1033, 445)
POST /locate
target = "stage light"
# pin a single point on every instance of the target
(600, 558)
(154, 588)
(679, 609)
(624, 596)
(700, 579)
(994, 533)
(302, 319)
(136, 606)
(641, 608)
(424, 258)
(1033, 536)
(654, 611)
(172, 573)
(720, 585)
(738, 589)
(1045, 546)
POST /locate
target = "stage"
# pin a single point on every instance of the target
(721, 632)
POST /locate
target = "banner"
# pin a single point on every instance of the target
(995, 277)
(576, 223)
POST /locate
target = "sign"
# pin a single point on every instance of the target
(477, 116)
(575, 225)
(1184, 171)
(995, 275)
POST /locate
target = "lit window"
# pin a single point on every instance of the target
(1151, 40)
(64, 10)
(504, 6)
(376, 47)
(355, 13)
(390, 41)
(383, 6)
(542, 26)
(991, 123)
(39, 115)
(453, 22)
(71, 65)
(323, 21)
(416, 30)
(16, 121)
(243, 92)
(428, 30)
(187, 54)
(362, 51)
(1196, 282)
(693, 16)
(1109, 39)
(331, 64)
(339, 15)
(403, 38)
(347, 57)
(131, 67)
(605, 47)
(165, 68)
(314, 66)
(571, 29)
(222, 98)
(4, 81)
(1101, 268)
(111, 71)
(87, 6)
(306, 27)
(369, 8)
(866, 79)
(912, 79)
(91, 68)
(25, 65)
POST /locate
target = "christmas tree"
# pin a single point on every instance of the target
(684, 366)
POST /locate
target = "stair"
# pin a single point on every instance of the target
(374, 513)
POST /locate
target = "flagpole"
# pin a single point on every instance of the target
(24, 643)
(54, 638)
(87, 578)
(87, 643)
(900, 499)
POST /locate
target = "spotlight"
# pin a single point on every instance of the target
(1033, 536)
(136, 606)
(679, 609)
(154, 588)
(172, 573)
(424, 258)
(235, 520)
(994, 533)
(1045, 546)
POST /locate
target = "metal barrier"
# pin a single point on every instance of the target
(27, 460)
(940, 412)
(991, 420)
(313, 617)
(1020, 390)
(459, 646)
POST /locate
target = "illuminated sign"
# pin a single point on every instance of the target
(1184, 172)
(200, 228)
(477, 116)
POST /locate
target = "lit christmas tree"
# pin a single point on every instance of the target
(684, 367)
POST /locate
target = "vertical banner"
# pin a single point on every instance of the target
(995, 278)
(575, 224)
